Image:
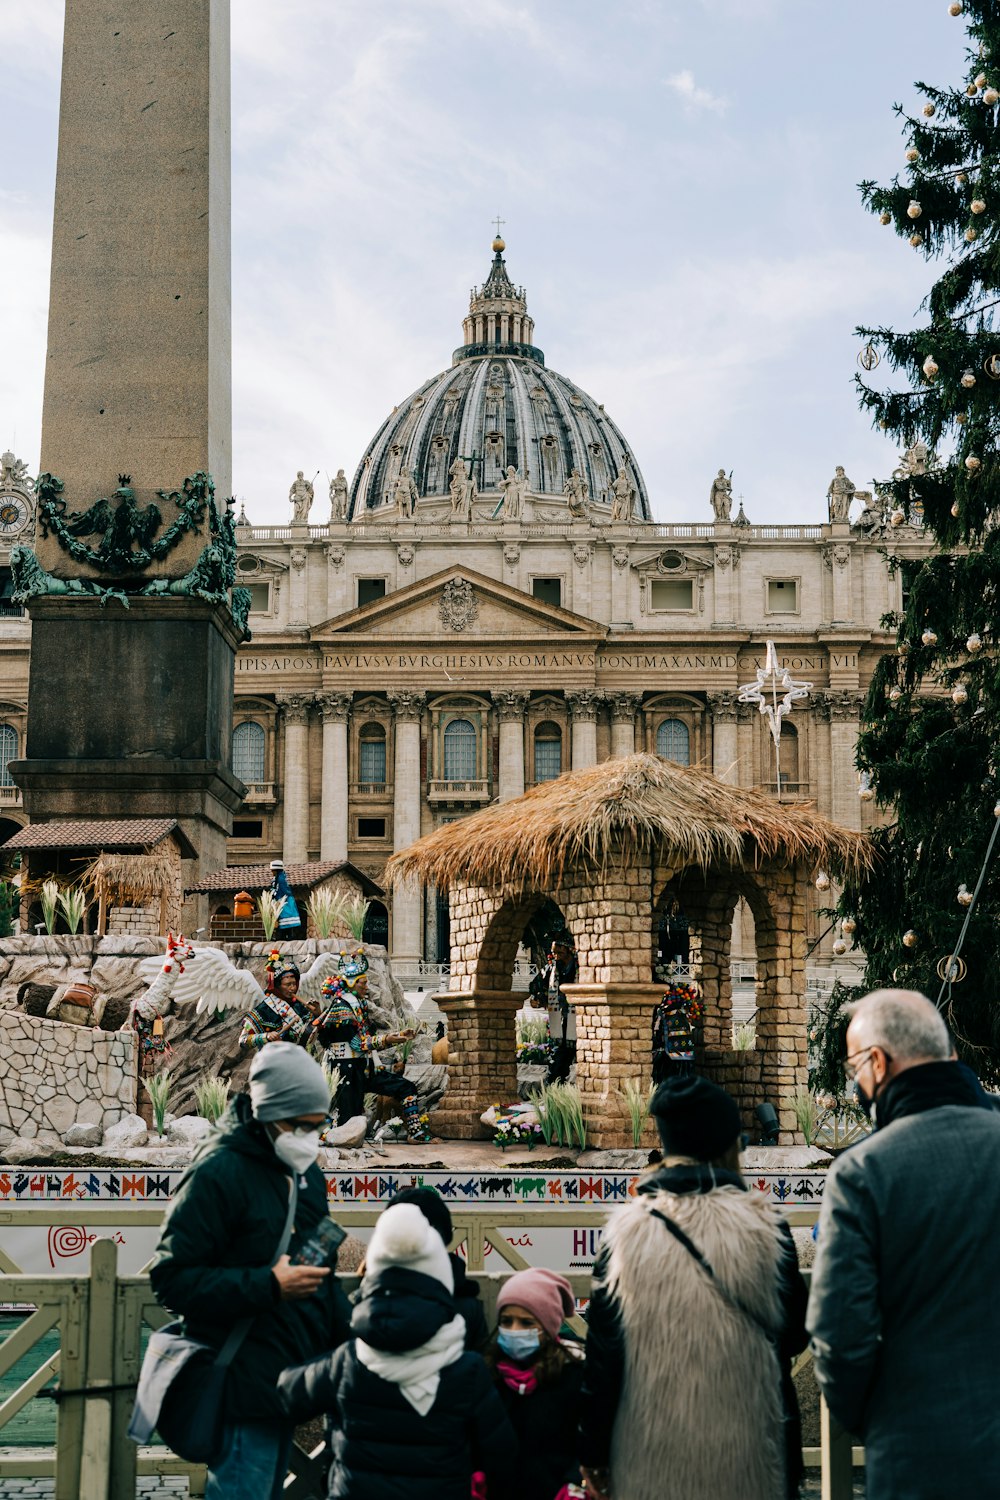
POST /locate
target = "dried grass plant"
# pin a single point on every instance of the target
(269, 909)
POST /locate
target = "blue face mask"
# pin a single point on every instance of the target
(520, 1343)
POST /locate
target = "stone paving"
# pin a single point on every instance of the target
(152, 1488)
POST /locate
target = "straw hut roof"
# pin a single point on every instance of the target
(131, 879)
(641, 802)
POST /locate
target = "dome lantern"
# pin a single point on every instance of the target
(497, 321)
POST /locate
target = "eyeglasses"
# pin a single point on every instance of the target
(866, 1053)
(306, 1127)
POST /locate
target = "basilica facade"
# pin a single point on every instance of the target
(489, 603)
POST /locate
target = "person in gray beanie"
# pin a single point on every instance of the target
(247, 1236)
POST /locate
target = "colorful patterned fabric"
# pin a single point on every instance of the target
(274, 1014)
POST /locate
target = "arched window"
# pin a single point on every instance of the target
(8, 752)
(371, 748)
(788, 754)
(460, 751)
(548, 751)
(248, 751)
(673, 741)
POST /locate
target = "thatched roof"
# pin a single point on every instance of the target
(586, 818)
(131, 879)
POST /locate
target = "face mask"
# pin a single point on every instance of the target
(519, 1343)
(297, 1151)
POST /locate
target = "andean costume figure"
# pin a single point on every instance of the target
(346, 1032)
(561, 968)
(280, 1016)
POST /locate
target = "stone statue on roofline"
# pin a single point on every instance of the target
(722, 495)
(839, 495)
(338, 497)
(405, 494)
(301, 495)
(622, 495)
(513, 488)
(463, 491)
(577, 492)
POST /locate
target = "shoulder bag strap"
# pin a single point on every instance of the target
(239, 1330)
(699, 1255)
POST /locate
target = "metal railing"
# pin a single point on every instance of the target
(100, 1321)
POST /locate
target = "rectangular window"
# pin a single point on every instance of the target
(547, 590)
(782, 596)
(7, 605)
(671, 593)
(372, 758)
(260, 597)
(248, 828)
(370, 589)
(371, 828)
(548, 759)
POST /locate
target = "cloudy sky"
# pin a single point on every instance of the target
(678, 180)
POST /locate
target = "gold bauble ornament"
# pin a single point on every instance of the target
(959, 695)
(961, 177)
(990, 97)
(971, 234)
(848, 926)
(968, 379)
(930, 367)
(965, 896)
(929, 637)
(980, 80)
(916, 239)
(866, 791)
(885, 217)
(992, 366)
(977, 206)
(909, 938)
(961, 418)
(822, 881)
(895, 694)
(972, 463)
(913, 209)
(971, 90)
(839, 947)
(974, 644)
(897, 518)
(954, 8)
(951, 969)
(913, 154)
(929, 111)
(954, 509)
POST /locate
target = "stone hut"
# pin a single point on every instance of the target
(614, 847)
(131, 867)
(338, 876)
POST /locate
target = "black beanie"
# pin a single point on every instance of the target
(432, 1206)
(695, 1118)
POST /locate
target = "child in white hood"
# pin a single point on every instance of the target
(411, 1414)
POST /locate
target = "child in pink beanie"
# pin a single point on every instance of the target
(538, 1377)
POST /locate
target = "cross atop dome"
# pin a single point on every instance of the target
(497, 319)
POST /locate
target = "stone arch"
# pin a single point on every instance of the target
(498, 949)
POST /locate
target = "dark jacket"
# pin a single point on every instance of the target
(477, 1333)
(383, 1449)
(212, 1265)
(903, 1312)
(545, 1424)
(606, 1365)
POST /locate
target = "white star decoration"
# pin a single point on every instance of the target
(774, 692)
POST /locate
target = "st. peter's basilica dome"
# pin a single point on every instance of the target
(498, 409)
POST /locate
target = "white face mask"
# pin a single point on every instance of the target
(297, 1151)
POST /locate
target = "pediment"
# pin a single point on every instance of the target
(459, 603)
(671, 562)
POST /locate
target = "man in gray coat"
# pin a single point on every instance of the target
(904, 1314)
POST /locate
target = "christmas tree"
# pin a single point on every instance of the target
(929, 749)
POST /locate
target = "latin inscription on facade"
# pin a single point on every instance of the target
(493, 661)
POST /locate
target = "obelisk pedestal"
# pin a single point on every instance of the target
(133, 639)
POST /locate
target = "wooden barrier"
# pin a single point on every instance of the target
(100, 1321)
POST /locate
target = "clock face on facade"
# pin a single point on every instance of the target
(13, 514)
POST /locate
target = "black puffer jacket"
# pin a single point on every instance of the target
(212, 1265)
(383, 1449)
(545, 1422)
(468, 1304)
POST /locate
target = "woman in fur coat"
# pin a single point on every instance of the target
(411, 1414)
(698, 1307)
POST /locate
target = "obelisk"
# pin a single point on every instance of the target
(129, 583)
